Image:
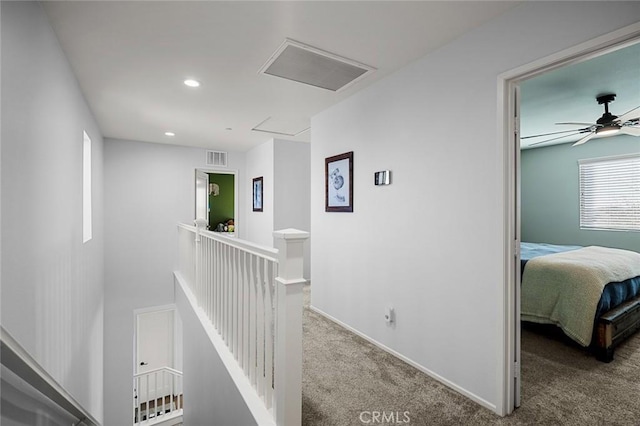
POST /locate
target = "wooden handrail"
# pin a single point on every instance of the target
(169, 369)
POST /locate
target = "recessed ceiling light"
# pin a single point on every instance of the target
(192, 83)
(170, 134)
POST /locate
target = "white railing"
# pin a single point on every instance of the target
(253, 297)
(157, 395)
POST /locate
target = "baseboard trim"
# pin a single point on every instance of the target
(475, 398)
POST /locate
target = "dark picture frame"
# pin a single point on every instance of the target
(338, 183)
(258, 199)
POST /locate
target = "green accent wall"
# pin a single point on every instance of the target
(550, 209)
(221, 206)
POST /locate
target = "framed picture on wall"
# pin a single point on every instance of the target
(338, 183)
(257, 194)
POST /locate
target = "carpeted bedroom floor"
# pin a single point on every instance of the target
(344, 376)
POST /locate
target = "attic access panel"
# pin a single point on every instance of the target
(308, 65)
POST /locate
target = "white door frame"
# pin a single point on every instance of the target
(508, 121)
(137, 312)
(202, 178)
(236, 212)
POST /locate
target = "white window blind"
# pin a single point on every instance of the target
(610, 193)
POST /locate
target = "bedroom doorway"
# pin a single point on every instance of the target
(510, 95)
(216, 194)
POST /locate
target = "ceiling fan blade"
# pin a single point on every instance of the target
(576, 123)
(553, 139)
(586, 129)
(630, 115)
(585, 139)
(633, 131)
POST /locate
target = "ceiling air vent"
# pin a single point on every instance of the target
(217, 158)
(306, 64)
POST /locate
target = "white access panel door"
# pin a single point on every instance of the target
(154, 350)
(202, 195)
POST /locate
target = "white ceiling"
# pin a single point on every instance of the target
(130, 59)
(569, 94)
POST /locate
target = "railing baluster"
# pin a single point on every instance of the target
(147, 398)
(214, 270)
(138, 401)
(236, 303)
(209, 284)
(159, 397)
(223, 288)
(251, 296)
(229, 286)
(220, 285)
(252, 319)
(205, 281)
(245, 313)
(163, 393)
(260, 327)
(171, 394)
(155, 396)
(229, 312)
(268, 396)
(218, 279)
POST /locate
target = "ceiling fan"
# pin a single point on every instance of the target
(607, 125)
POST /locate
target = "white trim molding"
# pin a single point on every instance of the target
(507, 83)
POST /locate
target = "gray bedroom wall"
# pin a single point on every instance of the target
(149, 188)
(52, 282)
(438, 259)
(550, 193)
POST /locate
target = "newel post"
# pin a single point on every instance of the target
(288, 350)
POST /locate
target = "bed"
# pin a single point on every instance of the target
(591, 293)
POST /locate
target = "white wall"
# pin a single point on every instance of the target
(260, 224)
(292, 198)
(52, 283)
(284, 166)
(431, 243)
(149, 188)
(211, 397)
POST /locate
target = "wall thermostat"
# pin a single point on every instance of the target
(382, 178)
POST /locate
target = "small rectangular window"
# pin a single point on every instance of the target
(86, 189)
(610, 193)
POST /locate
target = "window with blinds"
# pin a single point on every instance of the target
(610, 193)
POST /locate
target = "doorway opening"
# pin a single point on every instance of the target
(511, 97)
(157, 378)
(217, 200)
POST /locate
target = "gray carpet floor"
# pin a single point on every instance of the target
(344, 375)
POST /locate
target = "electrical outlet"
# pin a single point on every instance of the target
(389, 314)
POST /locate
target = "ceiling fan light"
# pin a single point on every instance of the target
(607, 130)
